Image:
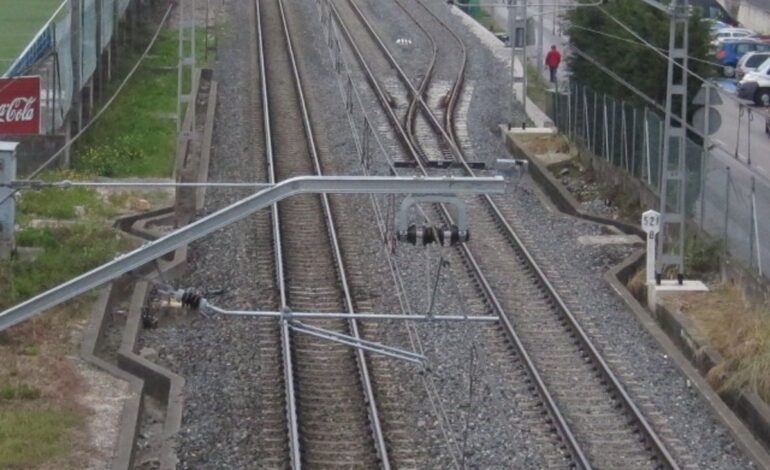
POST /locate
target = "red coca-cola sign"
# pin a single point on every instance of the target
(20, 105)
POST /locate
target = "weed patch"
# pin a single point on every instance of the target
(537, 87)
(21, 392)
(67, 252)
(702, 254)
(740, 334)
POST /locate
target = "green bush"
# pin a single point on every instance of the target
(67, 252)
(702, 255)
(110, 160)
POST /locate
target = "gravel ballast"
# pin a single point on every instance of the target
(222, 402)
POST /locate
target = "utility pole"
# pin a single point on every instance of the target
(76, 29)
(186, 65)
(673, 183)
(541, 25)
(517, 30)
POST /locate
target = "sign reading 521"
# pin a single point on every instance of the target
(651, 221)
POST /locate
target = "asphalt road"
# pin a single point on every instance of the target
(743, 131)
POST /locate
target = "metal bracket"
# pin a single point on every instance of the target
(358, 343)
(460, 229)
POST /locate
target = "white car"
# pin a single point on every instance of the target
(755, 85)
(750, 62)
(730, 33)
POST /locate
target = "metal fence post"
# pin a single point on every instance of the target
(586, 127)
(596, 112)
(703, 159)
(569, 112)
(573, 89)
(755, 225)
(611, 153)
(662, 140)
(749, 120)
(633, 143)
(623, 135)
(605, 133)
(726, 223)
(647, 146)
(7, 202)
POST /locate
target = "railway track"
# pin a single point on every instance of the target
(331, 417)
(595, 417)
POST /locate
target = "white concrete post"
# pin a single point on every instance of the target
(7, 202)
(651, 226)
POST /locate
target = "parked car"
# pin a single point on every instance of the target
(755, 85)
(750, 62)
(730, 33)
(716, 25)
(731, 50)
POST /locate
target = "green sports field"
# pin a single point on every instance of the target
(20, 20)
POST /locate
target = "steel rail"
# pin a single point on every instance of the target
(288, 366)
(562, 426)
(424, 83)
(649, 434)
(457, 85)
(449, 122)
(369, 396)
(403, 136)
(432, 120)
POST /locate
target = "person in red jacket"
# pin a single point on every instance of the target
(552, 61)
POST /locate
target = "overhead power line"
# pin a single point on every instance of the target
(638, 43)
(686, 69)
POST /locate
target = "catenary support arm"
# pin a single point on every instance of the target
(237, 211)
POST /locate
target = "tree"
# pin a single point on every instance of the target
(590, 31)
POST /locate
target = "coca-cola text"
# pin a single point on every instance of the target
(20, 105)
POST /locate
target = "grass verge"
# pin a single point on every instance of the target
(32, 437)
(135, 137)
(537, 87)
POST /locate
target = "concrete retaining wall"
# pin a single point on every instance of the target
(671, 330)
(143, 376)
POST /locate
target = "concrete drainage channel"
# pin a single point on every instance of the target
(152, 411)
(746, 415)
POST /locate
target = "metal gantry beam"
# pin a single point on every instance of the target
(237, 211)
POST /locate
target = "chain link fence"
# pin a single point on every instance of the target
(724, 198)
(50, 55)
